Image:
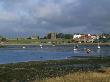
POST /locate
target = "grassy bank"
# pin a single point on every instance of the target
(43, 70)
(46, 42)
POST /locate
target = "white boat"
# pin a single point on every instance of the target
(98, 43)
(40, 45)
(53, 45)
(98, 47)
(23, 47)
(75, 48)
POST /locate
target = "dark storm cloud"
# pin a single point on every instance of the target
(41, 16)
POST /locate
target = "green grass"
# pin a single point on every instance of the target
(45, 41)
(23, 41)
(37, 41)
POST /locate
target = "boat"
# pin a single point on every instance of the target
(53, 45)
(98, 47)
(98, 43)
(23, 47)
(41, 45)
(88, 51)
(75, 49)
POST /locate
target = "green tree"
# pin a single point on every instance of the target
(49, 36)
(3, 39)
(68, 36)
(29, 38)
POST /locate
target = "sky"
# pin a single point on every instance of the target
(27, 17)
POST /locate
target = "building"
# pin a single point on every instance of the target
(51, 36)
(83, 38)
(76, 36)
(33, 37)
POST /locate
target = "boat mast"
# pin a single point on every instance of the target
(98, 41)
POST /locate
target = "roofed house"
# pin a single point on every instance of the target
(84, 38)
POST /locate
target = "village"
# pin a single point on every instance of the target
(58, 38)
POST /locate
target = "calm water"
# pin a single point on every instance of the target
(13, 54)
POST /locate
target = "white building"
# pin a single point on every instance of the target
(84, 37)
(76, 36)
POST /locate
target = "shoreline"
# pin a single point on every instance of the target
(76, 60)
(108, 44)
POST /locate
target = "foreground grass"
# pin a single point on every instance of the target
(43, 70)
(81, 77)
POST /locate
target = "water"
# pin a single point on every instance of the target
(13, 54)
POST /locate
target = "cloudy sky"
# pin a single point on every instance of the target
(26, 17)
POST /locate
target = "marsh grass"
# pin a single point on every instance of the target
(80, 77)
(84, 70)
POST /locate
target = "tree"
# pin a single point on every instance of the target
(104, 37)
(49, 36)
(29, 38)
(68, 36)
(3, 39)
